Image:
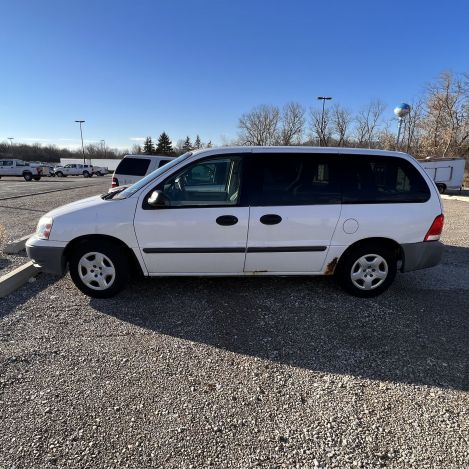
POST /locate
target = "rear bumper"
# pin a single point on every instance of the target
(51, 259)
(421, 255)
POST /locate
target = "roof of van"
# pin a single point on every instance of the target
(298, 149)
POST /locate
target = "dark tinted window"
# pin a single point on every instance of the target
(381, 179)
(292, 179)
(133, 166)
(162, 163)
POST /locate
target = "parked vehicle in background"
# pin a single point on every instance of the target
(358, 214)
(135, 167)
(100, 170)
(73, 169)
(15, 167)
(448, 173)
(44, 167)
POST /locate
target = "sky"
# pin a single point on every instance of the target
(132, 68)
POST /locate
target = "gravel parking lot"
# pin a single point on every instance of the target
(283, 372)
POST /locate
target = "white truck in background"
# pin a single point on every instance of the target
(73, 169)
(448, 173)
(11, 167)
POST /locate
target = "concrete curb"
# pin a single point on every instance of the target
(461, 198)
(17, 278)
(17, 245)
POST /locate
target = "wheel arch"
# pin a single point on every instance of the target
(387, 242)
(100, 237)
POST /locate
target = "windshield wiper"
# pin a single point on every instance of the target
(110, 195)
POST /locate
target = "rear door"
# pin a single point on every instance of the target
(203, 229)
(295, 203)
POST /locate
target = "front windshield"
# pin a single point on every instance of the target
(131, 190)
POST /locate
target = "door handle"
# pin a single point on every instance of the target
(227, 220)
(270, 219)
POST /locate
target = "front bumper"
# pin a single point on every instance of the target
(421, 255)
(51, 259)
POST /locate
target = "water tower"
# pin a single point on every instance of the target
(401, 111)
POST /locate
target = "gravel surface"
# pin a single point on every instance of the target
(281, 372)
(19, 217)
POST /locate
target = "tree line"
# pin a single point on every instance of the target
(164, 146)
(438, 124)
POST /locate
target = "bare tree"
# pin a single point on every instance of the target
(321, 126)
(341, 120)
(260, 126)
(446, 123)
(367, 123)
(292, 124)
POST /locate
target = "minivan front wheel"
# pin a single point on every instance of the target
(367, 271)
(100, 270)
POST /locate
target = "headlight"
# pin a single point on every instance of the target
(44, 228)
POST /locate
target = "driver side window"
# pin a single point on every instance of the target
(205, 183)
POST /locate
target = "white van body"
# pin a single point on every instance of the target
(448, 173)
(134, 167)
(358, 213)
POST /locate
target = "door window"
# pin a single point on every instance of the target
(381, 179)
(213, 182)
(292, 179)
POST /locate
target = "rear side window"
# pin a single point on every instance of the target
(292, 179)
(162, 163)
(133, 166)
(380, 180)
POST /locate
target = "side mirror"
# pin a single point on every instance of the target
(158, 199)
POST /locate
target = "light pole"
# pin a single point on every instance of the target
(82, 147)
(324, 99)
(11, 142)
(103, 143)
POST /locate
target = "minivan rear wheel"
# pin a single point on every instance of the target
(367, 270)
(98, 269)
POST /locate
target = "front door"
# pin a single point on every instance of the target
(295, 204)
(202, 229)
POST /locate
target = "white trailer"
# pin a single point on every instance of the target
(448, 173)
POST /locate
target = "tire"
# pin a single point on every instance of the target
(98, 173)
(59, 174)
(367, 270)
(28, 176)
(86, 174)
(37, 178)
(89, 262)
(441, 188)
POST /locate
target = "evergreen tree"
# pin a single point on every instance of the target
(198, 143)
(209, 144)
(187, 145)
(148, 146)
(165, 146)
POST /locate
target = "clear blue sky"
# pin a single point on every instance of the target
(136, 68)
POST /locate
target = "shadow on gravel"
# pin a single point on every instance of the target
(414, 333)
(25, 293)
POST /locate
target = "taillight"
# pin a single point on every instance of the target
(435, 230)
(115, 182)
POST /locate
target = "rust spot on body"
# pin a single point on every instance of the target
(331, 266)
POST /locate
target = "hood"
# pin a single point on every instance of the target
(82, 204)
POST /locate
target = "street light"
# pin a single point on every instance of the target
(82, 147)
(324, 99)
(11, 141)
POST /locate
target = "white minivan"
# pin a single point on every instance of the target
(134, 167)
(357, 214)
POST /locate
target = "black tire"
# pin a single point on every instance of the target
(59, 174)
(27, 176)
(98, 173)
(350, 264)
(37, 178)
(86, 174)
(441, 188)
(119, 261)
